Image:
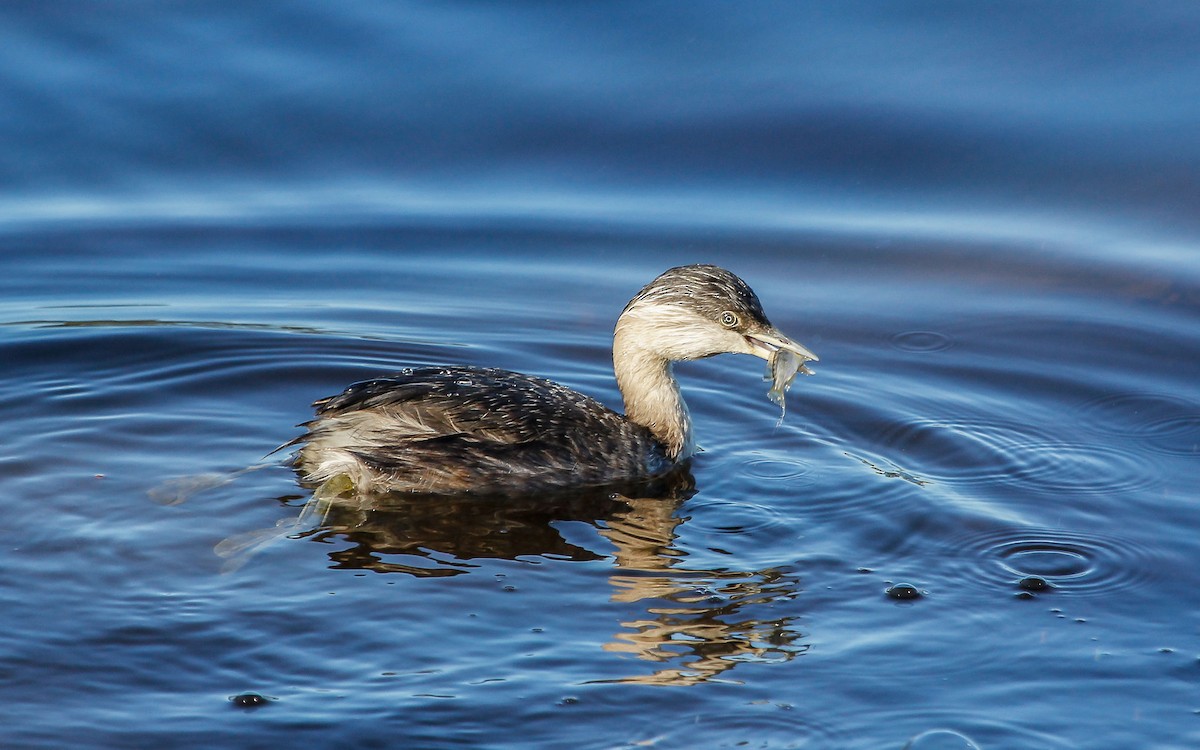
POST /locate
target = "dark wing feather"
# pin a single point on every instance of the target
(489, 405)
(489, 428)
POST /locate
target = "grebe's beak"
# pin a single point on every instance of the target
(765, 343)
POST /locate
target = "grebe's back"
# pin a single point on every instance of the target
(445, 430)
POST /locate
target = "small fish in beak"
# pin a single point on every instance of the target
(784, 358)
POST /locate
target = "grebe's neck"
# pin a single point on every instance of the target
(652, 397)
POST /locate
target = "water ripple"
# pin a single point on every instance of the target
(985, 452)
(760, 724)
(1159, 422)
(857, 488)
(922, 341)
(941, 739)
(729, 517)
(955, 729)
(778, 469)
(1070, 562)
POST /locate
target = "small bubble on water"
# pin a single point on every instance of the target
(248, 700)
(1024, 595)
(1034, 583)
(570, 700)
(903, 591)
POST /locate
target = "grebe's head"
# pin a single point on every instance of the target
(696, 311)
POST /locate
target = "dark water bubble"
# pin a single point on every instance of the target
(987, 451)
(1034, 583)
(1070, 562)
(248, 700)
(903, 591)
(922, 341)
(1159, 422)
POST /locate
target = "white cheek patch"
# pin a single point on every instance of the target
(678, 333)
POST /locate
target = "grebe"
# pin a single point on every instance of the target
(452, 430)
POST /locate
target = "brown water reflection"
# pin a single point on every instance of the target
(697, 623)
(693, 620)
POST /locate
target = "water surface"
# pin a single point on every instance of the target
(983, 220)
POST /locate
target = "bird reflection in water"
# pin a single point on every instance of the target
(697, 624)
(694, 620)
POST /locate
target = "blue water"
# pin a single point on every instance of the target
(982, 217)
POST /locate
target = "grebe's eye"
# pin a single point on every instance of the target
(729, 319)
